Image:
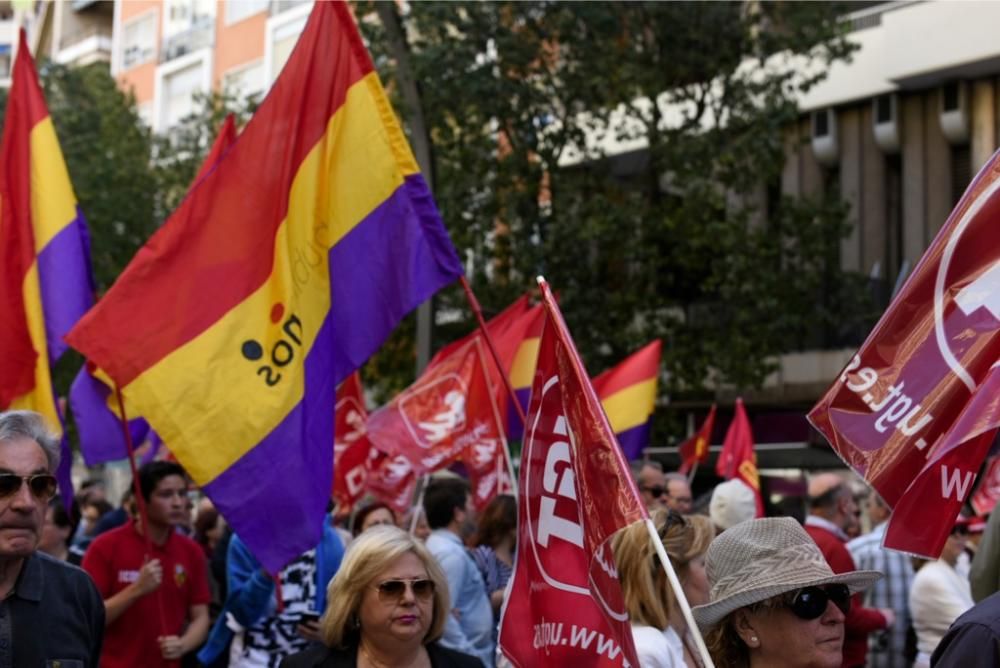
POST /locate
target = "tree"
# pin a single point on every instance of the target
(677, 238)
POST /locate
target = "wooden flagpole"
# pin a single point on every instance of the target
(140, 503)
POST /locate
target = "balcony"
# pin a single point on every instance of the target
(199, 36)
(89, 45)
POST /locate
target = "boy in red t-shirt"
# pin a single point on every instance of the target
(156, 604)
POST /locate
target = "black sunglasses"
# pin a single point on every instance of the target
(391, 591)
(655, 490)
(42, 485)
(810, 602)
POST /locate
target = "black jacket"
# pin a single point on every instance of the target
(326, 657)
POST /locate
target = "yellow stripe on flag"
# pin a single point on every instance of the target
(41, 398)
(522, 372)
(53, 205)
(632, 406)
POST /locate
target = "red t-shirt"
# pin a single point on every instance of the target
(113, 561)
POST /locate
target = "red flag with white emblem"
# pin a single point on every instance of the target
(565, 605)
(915, 409)
(351, 450)
(447, 410)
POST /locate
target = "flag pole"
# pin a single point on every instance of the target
(474, 304)
(675, 584)
(418, 504)
(503, 437)
(694, 470)
(140, 502)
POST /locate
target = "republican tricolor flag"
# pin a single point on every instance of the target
(628, 395)
(45, 278)
(283, 270)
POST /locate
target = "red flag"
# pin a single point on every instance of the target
(391, 480)
(565, 605)
(695, 449)
(448, 410)
(351, 451)
(906, 401)
(988, 491)
(737, 459)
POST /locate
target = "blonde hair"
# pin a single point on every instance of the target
(367, 557)
(648, 596)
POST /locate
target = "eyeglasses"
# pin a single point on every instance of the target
(392, 591)
(810, 602)
(43, 486)
(656, 491)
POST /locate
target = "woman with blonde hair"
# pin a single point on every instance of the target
(386, 606)
(661, 636)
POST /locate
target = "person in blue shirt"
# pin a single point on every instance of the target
(257, 628)
(451, 516)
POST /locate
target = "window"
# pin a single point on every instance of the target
(183, 15)
(246, 81)
(178, 93)
(139, 41)
(282, 33)
(237, 10)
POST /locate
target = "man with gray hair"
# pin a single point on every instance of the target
(50, 612)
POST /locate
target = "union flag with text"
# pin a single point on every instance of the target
(281, 272)
(565, 603)
(916, 408)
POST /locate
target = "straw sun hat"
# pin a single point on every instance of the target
(758, 559)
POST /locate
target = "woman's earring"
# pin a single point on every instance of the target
(356, 623)
(753, 641)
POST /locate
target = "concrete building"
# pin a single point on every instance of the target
(165, 51)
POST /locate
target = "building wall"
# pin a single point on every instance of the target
(238, 44)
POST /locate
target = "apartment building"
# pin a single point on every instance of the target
(166, 51)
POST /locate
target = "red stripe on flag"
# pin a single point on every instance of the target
(233, 199)
(26, 107)
(640, 366)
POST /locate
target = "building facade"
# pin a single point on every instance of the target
(167, 51)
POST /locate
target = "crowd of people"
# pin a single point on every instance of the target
(181, 589)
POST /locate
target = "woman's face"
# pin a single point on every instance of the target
(378, 517)
(953, 548)
(695, 581)
(785, 640)
(388, 618)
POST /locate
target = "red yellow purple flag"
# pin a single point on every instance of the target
(283, 270)
(628, 396)
(45, 278)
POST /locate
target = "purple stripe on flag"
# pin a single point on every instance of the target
(515, 429)
(67, 283)
(390, 263)
(63, 474)
(634, 440)
(99, 429)
(275, 496)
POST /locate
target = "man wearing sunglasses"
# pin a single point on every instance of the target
(831, 511)
(652, 483)
(50, 612)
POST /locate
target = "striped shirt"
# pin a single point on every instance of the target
(885, 649)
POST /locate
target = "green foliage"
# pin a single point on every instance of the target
(677, 238)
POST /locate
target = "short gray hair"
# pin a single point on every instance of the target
(639, 464)
(16, 425)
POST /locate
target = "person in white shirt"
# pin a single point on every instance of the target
(661, 637)
(938, 597)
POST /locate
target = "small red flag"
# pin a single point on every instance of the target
(351, 451)
(737, 458)
(391, 480)
(914, 392)
(695, 449)
(565, 605)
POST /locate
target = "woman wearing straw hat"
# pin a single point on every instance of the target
(773, 600)
(661, 637)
